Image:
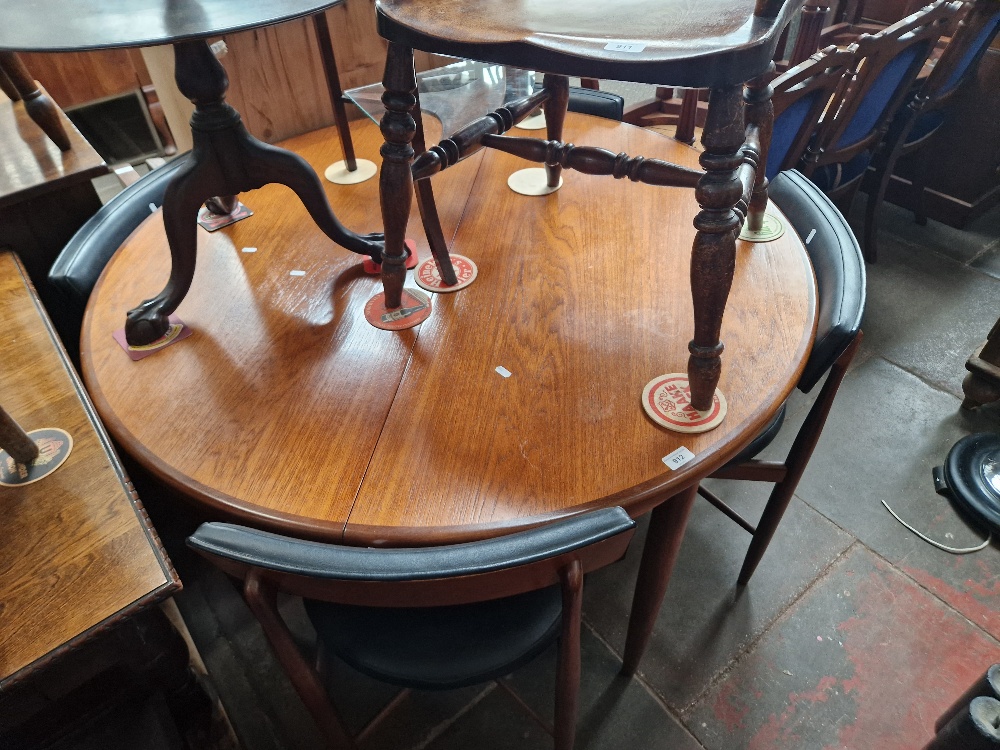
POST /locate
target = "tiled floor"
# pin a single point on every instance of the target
(853, 633)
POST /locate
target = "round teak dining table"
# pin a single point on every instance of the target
(516, 402)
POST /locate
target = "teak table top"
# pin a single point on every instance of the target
(76, 549)
(287, 410)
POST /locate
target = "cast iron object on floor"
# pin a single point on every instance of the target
(975, 727)
(987, 686)
(971, 477)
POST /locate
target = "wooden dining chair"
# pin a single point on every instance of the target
(840, 280)
(432, 618)
(915, 124)
(888, 64)
(802, 95)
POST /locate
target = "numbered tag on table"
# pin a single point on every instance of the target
(678, 458)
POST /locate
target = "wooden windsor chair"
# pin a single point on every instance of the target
(714, 44)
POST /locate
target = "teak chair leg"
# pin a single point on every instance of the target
(663, 541)
(336, 92)
(39, 107)
(555, 116)
(798, 459)
(568, 669)
(713, 258)
(262, 601)
(395, 179)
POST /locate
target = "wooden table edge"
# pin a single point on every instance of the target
(172, 582)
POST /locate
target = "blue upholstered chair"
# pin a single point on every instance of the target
(801, 96)
(915, 124)
(888, 64)
(432, 618)
(840, 278)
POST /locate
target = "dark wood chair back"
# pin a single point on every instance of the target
(974, 34)
(399, 614)
(801, 96)
(888, 64)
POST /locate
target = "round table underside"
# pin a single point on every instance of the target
(288, 411)
(59, 26)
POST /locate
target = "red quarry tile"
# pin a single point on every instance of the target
(866, 660)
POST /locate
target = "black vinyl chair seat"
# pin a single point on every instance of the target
(431, 618)
(440, 648)
(596, 103)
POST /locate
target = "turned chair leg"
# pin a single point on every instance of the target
(555, 116)
(39, 107)
(760, 113)
(713, 258)
(395, 179)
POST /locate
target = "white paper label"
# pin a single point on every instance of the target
(296, 273)
(810, 237)
(249, 249)
(678, 458)
(503, 371)
(152, 208)
(633, 47)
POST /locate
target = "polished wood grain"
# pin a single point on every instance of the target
(74, 78)
(287, 410)
(77, 552)
(32, 164)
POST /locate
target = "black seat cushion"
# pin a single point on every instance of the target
(763, 439)
(838, 263)
(440, 648)
(597, 103)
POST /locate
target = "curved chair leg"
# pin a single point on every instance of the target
(262, 601)
(226, 160)
(798, 459)
(883, 174)
(555, 116)
(428, 208)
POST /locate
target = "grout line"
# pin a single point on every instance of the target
(923, 379)
(735, 661)
(549, 728)
(638, 678)
(445, 725)
(896, 567)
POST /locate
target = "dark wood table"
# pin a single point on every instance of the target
(78, 553)
(286, 410)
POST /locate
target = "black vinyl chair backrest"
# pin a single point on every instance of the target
(513, 564)
(79, 265)
(837, 262)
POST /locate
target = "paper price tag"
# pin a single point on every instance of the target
(632, 47)
(678, 458)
